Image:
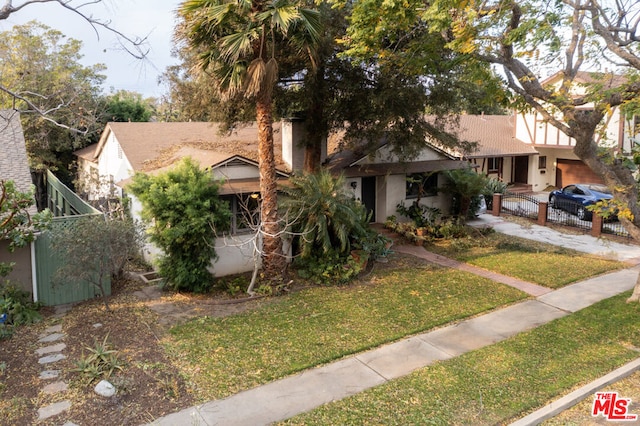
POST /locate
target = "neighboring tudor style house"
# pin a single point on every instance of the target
(14, 166)
(556, 164)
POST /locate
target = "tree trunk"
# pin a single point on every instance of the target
(316, 124)
(620, 180)
(273, 262)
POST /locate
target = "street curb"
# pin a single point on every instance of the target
(578, 395)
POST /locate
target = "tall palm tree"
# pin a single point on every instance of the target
(239, 42)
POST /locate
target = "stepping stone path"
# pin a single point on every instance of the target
(49, 354)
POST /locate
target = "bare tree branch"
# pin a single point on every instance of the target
(133, 45)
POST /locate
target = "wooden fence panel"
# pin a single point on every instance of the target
(51, 289)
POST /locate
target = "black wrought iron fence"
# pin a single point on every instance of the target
(568, 213)
(520, 205)
(615, 228)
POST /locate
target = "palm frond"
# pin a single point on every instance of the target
(312, 23)
(280, 16)
(236, 45)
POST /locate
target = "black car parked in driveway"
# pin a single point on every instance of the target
(575, 198)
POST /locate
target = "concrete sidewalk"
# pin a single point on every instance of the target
(309, 389)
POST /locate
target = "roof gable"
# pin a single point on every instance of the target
(151, 145)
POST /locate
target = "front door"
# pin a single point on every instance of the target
(369, 195)
(521, 169)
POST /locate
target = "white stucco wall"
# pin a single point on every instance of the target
(235, 253)
(248, 171)
(391, 190)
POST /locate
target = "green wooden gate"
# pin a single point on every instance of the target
(67, 208)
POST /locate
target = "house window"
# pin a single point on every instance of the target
(542, 162)
(245, 212)
(120, 155)
(422, 185)
(493, 164)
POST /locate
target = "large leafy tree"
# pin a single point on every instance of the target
(240, 43)
(408, 70)
(133, 45)
(124, 106)
(41, 67)
(531, 39)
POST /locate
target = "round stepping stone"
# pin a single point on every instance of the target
(105, 389)
(53, 409)
(51, 358)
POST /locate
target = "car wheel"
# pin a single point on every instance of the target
(552, 202)
(582, 213)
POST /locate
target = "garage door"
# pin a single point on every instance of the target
(574, 171)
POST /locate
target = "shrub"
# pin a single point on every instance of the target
(95, 249)
(421, 215)
(16, 308)
(328, 223)
(493, 186)
(184, 213)
(330, 268)
(101, 362)
(465, 186)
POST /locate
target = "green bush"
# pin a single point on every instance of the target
(16, 308)
(101, 362)
(421, 215)
(327, 224)
(493, 186)
(184, 213)
(330, 268)
(465, 186)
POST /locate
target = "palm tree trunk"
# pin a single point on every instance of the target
(273, 263)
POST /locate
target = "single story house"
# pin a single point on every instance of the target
(105, 168)
(380, 180)
(14, 166)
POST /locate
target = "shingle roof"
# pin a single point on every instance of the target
(14, 164)
(495, 135)
(150, 146)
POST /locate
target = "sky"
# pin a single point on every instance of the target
(152, 18)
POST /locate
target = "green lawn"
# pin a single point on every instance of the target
(502, 382)
(223, 356)
(540, 263)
